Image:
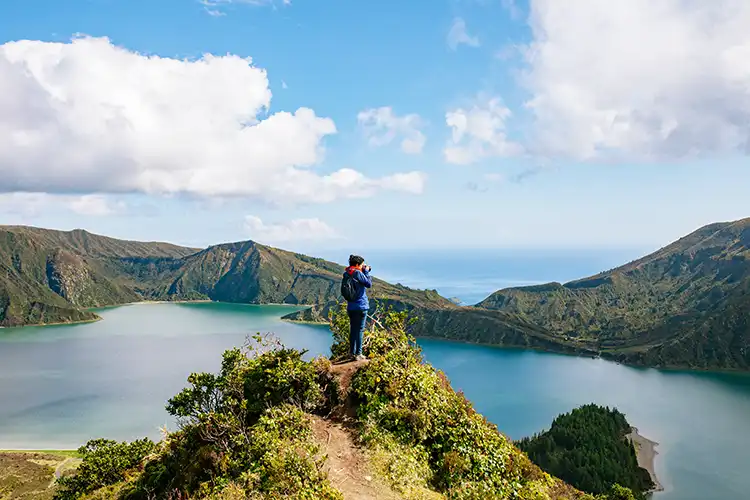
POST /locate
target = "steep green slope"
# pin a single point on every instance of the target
(249, 272)
(45, 284)
(684, 305)
(49, 276)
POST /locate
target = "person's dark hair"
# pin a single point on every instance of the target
(355, 260)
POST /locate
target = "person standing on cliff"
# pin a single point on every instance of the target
(353, 287)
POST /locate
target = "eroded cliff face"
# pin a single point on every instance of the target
(69, 277)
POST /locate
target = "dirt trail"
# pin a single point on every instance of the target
(347, 466)
(61, 467)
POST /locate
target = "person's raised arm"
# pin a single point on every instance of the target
(364, 278)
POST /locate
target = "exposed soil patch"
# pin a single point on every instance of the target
(347, 466)
(343, 373)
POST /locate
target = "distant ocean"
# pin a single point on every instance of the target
(471, 275)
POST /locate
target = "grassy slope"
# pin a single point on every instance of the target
(29, 474)
(50, 276)
(684, 305)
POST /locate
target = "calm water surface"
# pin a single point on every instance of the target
(60, 386)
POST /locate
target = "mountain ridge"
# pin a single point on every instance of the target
(684, 305)
(50, 276)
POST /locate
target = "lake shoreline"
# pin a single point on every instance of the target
(645, 451)
(147, 302)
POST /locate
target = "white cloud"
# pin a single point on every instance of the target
(411, 182)
(95, 205)
(458, 35)
(382, 126)
(34, 204)
(639, 78)
(89, 117)
(23, 204)
(293, 230)
(479, 132)
(344, 183)
(284, 85)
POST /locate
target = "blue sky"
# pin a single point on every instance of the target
(441, 124)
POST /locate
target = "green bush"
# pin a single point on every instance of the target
(243, 428)
(105, 463)
(404, 399)
(265, 375)
(275, 457)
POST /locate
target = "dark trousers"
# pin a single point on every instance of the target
(356, 328)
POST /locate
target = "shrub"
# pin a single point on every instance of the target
(105, 463)
(266, 374)
(244, 428)
(275, 457)
(404, 399)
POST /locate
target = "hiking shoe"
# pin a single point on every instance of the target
(360, 357)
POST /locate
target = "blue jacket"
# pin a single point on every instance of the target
(362, 281)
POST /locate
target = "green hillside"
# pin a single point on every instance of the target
(52, 276)
(685, 305)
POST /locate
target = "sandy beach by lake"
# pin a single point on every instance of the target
(646, 453)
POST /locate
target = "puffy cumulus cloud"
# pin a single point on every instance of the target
(457, 35)
(293, 230)
(90, 117)
(479, 132)
(382, 126)
(640, 78)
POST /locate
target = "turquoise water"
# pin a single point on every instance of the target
(62, 385)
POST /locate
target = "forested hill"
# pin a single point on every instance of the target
(686, 305)
(49, 276)
(589, 449)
